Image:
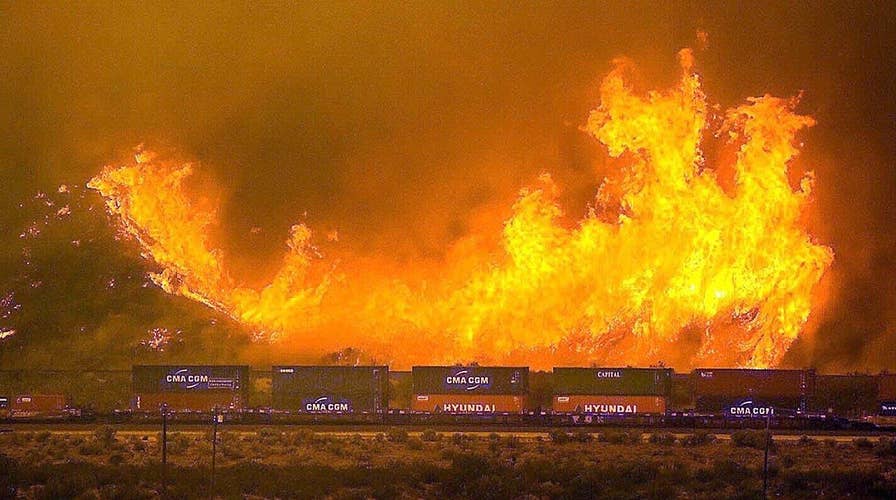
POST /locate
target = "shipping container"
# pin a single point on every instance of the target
(189, 401)
(886, 387)
(194, 378)
(682, 394)
(610, 405)
(469, 403)
(753, 383)
(330, 389)
(749, 406)
(613, 381)
(470, 380)
(850, 396)
(36, 405)
(4, 406)
(190, 387)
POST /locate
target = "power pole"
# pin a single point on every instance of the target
(215, 418)
(768, 439)
(164, 450)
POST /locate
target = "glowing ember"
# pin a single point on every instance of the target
(669, 266)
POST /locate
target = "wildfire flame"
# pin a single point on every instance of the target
(668, 265)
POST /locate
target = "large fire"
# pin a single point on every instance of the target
(670, 265)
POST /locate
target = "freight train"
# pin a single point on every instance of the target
(657, 396)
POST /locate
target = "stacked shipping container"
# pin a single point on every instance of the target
(886, 395)
(612, 391)
(850, 396)
(470, 389)
(330, 389)
(190, 388)
(750, 393)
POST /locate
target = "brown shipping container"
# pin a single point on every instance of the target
(468, 403)
(37, 404)
(886, 389)
(610, 405)
(754, 383)
(188, 401)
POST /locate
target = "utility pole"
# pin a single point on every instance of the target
(215, 420)
(768, 439)
(164, 450)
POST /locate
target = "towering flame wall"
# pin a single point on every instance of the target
(671, 267)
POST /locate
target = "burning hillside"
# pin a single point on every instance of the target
(670, 263)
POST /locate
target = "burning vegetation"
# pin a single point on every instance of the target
(673, 263)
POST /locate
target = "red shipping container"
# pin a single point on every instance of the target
(469, 403)
(188, 401)
(886, 389)
(610, 405)
(751, 382)
(28, 405)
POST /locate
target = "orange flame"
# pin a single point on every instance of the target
(680, 270)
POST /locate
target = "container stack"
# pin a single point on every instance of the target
(197, 388)
(752, 393)
(612, 391)
(330, 389)
(470, 389)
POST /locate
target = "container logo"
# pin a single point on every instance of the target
(185, 379)
(609, 409)
(468, 408)
(327, 404)
(470, 382)
(888, 408)
(608, 374)
(750, 408)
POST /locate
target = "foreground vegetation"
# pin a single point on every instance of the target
(393, 464)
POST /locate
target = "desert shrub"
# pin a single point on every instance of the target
(862, 442)
(751, 439)
(414, 443)
(805, 440)
(397, 435)
(42, 436)
(138, 445)
(885, 448)
(830, 443)
(105, 434)
(512, 441)
(558, 436)
(460, 439)
(620, 437)
(72, 484)
(302, 437)
(662, 438)
(582, 436)
(116, 459)
(430, 436)
(698, 439)
(269, 436)
(379, 437)
(178, 443)
(90, 448)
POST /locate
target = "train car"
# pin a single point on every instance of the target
(190, 388)
(886, 395)
(612, 391)
(470, 389)
(846, 396)
(734, 392)
(330, 389)
(38, 406)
